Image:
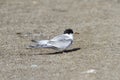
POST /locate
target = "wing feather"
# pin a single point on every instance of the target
(61, 41)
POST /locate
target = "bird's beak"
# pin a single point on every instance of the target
(76, 33)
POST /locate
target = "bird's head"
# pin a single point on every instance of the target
(68, 31)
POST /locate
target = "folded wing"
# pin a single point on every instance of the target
(61, 41)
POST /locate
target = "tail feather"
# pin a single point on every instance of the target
(41, 44)
(33, 46)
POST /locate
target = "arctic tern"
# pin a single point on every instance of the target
(60, 42)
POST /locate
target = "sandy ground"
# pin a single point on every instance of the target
(97, 23)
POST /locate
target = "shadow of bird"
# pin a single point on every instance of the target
(65, 51)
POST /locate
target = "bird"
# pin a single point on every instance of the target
(60, 42)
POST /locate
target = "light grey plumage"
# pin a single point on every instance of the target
(60, 42)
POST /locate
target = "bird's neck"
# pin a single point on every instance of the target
(70, 35)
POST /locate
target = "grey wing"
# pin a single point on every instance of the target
(61, 41)
(60, 38)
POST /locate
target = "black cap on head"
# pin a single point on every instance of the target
(68, 31)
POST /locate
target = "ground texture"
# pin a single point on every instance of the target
(97, 27)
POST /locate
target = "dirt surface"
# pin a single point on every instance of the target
(96, 22)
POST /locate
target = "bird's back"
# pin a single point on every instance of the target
(61, 41)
